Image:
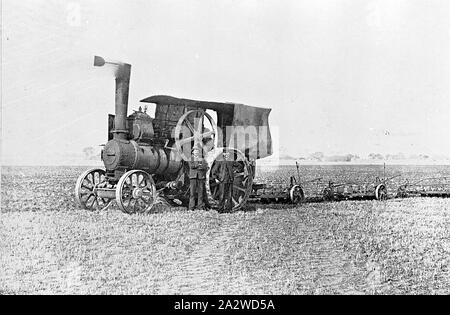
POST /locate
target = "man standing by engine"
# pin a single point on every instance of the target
(197, 177)
(224, 172)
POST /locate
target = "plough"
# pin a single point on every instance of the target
(293, 193)
(377, 190)
(296, 192)
(427, 187)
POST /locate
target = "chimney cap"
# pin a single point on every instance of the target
(99, 61)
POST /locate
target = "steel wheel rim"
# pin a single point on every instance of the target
(381, 192)
(85, 190)
(296, 194)
(136, 192)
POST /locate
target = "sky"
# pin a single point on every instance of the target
(341, 76)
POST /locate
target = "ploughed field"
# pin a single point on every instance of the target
(48, 245)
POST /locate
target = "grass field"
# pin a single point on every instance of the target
(48, 245)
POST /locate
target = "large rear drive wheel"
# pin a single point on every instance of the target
(243, 178)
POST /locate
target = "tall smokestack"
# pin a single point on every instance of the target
(122, 88)
(122, 74)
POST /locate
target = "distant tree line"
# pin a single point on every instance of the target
(398, 156)
(91, 153)
(321, 157)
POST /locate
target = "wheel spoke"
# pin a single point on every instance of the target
(95, 177)
(82, 196)
(146, 199)
(127, 189)
(186, 140)
(240, 188)
(141, 204)
(90, 178)
(100, 178)
(128, 198)
(88, 197)
(128, 205)
(89, 182)
(132, 180)
(199, 121)
(137, 180)
(147, 193)
(207, 134)
(86, 187)
(134, 204)
(189, 125)
(145, 184)
(141, 181)
(137, 206)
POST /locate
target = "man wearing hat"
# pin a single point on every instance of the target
(224, 172)
(197, 177)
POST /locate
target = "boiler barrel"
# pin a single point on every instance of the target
(126, 154)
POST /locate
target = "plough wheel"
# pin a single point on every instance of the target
(296, 194)
(327, 194)
(135, 192)
(381, 192)
(401, 192)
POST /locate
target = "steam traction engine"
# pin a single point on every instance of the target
(146, 157)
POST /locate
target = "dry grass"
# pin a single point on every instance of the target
(49, 246)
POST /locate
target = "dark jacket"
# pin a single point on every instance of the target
(197, 169)
(223, 171)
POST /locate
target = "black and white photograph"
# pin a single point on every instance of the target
(225, 152)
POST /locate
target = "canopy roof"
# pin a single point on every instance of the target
(222, 107)
(170, 100)
(253, 120)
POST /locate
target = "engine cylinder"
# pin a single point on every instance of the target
(125, 154)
